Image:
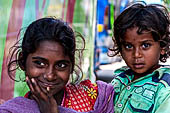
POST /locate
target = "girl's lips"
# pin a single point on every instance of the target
(138, 65)
(47, 84)
(51, 86)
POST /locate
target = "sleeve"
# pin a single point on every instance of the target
(164, 107)
(163, 101)
(4, 111)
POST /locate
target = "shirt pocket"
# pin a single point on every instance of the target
(138, 103)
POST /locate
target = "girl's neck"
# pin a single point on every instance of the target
(139, 75)
(59, 97)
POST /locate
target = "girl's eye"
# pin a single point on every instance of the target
(146, 45)
(128, 46)
(39, 63)
(61, 65)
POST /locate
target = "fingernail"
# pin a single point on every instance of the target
(26, 78)
(48, 89)
(32, 79)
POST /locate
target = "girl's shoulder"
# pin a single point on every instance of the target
(164, 75)
(121, 70)
(83, 85)
(165, 66)
(80, 97)
(20, 105)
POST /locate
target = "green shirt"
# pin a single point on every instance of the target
(148, 94)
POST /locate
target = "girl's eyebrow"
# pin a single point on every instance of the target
(125, 42)
(141, 41)
(64, 61)
(148, 41)
(37, 57)
(59, 61)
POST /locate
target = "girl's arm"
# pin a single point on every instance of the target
(2, 101)
(46, 103)
(165, 106)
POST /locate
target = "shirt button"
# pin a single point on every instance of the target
(119, 105)
(128, 88)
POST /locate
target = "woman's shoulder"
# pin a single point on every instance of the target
(19, 105)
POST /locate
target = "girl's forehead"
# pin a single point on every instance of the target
(133, 35)
(51, 51)
(50, 46)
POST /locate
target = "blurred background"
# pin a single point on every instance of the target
(92, 18)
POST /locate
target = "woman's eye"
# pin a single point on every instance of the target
(146, 45)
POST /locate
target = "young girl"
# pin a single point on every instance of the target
(142, 37)
(47, 56)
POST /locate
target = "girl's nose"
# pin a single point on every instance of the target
(50, 75)
(137, 53)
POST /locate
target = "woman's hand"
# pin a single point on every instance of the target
(46, 102)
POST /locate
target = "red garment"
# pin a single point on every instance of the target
(81, 97)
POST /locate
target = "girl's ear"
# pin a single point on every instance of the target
(163, 51)
(21, 61)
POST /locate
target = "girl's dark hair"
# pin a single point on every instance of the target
(153, 18)
(40, 30)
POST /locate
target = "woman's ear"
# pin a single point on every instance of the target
(21, 61)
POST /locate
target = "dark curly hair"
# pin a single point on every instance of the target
(153, 18)
(48, 28)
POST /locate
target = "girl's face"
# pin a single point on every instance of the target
(140, 52)
(49, 66)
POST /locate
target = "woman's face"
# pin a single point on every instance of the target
(49, 66)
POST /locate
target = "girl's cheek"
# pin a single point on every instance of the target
(34, 73)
